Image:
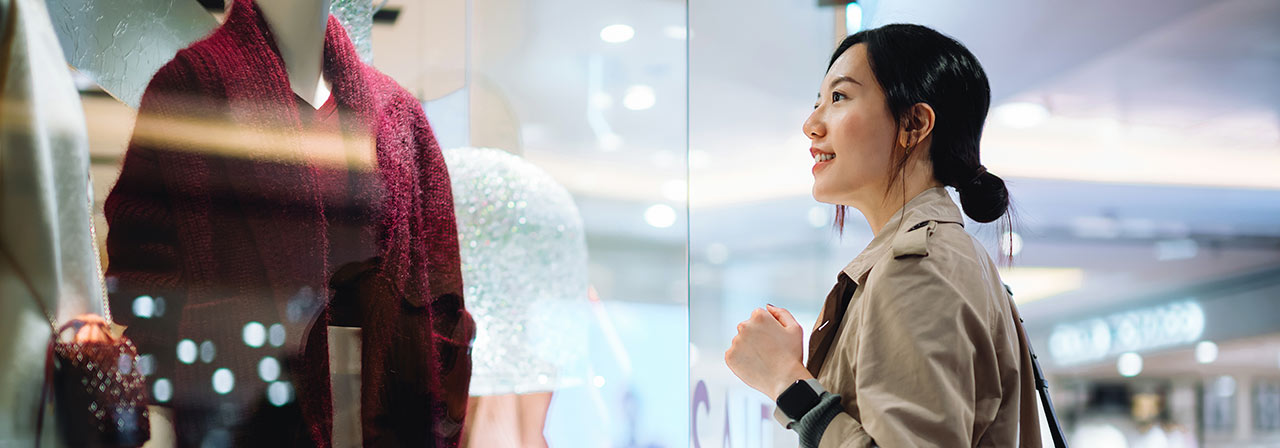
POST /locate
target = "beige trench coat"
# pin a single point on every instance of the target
(927, 353)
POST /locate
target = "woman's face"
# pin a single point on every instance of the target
(852, 133)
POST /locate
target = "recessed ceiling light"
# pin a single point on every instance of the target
(639, 97)
(1129, 364)
(660, 216)
(617, 33)
(1020, 114)
(1206, 352)
(853, 18)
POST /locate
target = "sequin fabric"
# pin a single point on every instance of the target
(524, 269)
(98, 387)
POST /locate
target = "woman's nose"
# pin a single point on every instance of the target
(813, 127)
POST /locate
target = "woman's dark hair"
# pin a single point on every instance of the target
(915, 64)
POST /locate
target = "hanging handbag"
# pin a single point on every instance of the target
(100, 396)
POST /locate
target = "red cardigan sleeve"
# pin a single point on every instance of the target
(142, 242)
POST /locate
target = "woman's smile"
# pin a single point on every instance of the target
(821, 158)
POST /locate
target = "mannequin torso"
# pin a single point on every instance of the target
(299, 28)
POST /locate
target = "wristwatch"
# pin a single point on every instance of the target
(799, 398)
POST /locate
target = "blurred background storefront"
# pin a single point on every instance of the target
(1140, 141)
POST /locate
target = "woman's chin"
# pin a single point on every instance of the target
(822, 196)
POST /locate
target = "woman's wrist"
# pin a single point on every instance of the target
(797, 372)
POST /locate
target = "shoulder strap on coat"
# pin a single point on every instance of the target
(1029, 419)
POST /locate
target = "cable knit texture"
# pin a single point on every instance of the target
(814, 423)
(218, 211)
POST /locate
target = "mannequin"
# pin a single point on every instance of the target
(298, 27)
(252, 237)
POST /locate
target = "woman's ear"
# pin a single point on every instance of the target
(917, 124)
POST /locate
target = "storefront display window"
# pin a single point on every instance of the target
(492, 223)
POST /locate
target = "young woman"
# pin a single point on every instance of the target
(918, 343)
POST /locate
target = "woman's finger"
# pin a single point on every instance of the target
(784, 317)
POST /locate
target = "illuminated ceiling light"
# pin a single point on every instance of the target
(660, 216)
(1206, 352)
(223, 381)
(276, 335)
(254, 334)
(617, 33)
(144, 307)
(1020, 115)
(1011, 243)
(162, 390)
(1129, 364)
(676, 32)
(269, 369)
(818, 216)
(1034, 283)
(639, 97)
(853, 18)
(187, 351)
(675, 190)
(280, 393)
(207, 351)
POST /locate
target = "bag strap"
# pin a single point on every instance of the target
(1029, 417)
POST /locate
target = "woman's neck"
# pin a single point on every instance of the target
(299, 29)
(917, 178)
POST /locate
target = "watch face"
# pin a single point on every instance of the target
(797, 400)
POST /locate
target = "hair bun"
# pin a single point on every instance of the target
(986, 199)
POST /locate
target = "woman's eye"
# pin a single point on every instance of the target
(837, 96)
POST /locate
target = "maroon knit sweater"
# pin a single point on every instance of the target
(218, 211)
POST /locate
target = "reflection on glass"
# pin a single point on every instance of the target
(261, 218)
(252, 229)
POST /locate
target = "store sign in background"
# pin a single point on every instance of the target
(735, 417)
(1143, 329)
